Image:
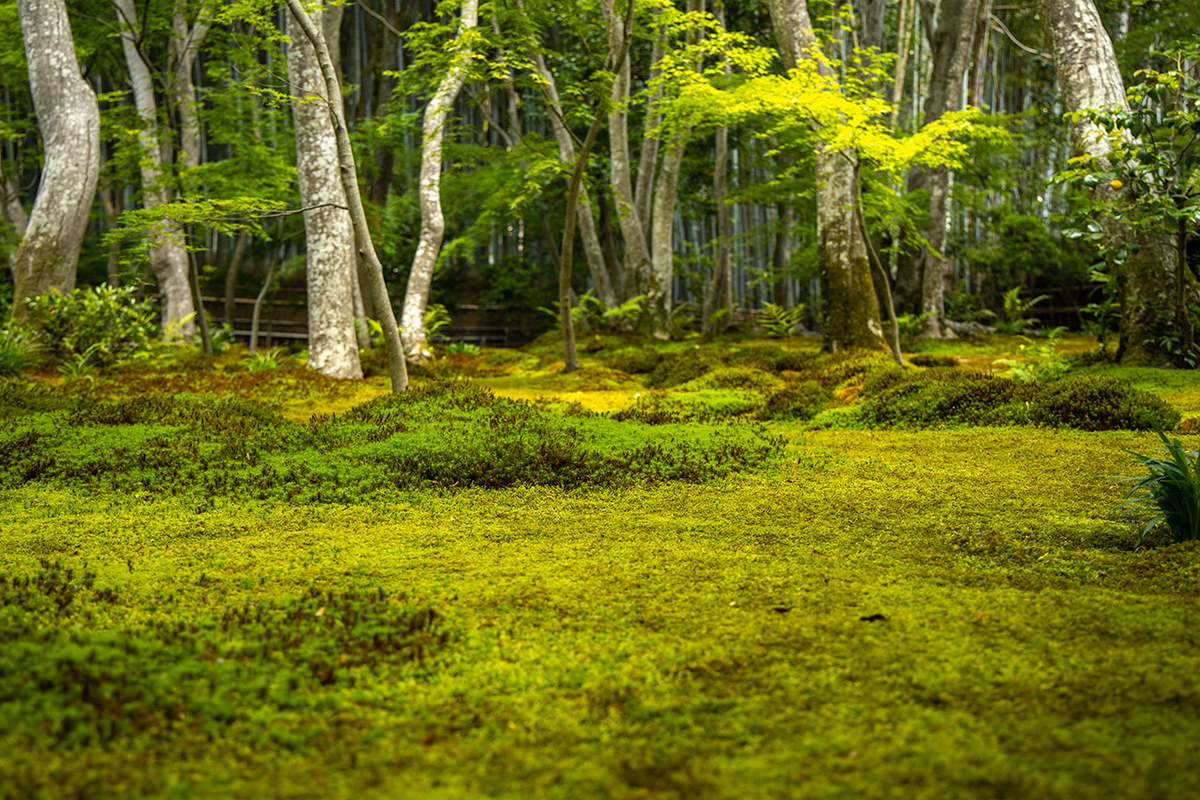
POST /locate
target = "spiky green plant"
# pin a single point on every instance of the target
(262, 361)
(18, 351)
(1170, 494)
(781, 322)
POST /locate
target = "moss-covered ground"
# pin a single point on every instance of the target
(855, 612)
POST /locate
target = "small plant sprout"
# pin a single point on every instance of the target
(1170, 494)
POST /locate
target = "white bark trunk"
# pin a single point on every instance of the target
(638, 263)
(1089, 77)
(332, 345)
(433, 225)
(169, 258)
(69, 123)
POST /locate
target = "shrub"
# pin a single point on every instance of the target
(678, 369)
(1098, 403)
(797, 401)
(108, 322)
(636, 361)
(1170, 494)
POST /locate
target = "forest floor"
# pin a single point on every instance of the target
(234, 594)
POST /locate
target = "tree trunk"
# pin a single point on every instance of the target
(660, 292)
(850, 311)
(108, 201)
(231, 277)
(433, 225)
(332, 345)
(718, 293)
(69, 124)
(953, 45)
(181, 90)
(605, 283)
(1090, 78)
(648, 158)
(639, 272)
(169, 257)
(397, 369)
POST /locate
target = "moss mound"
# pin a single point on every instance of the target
(802, 400)
(951, 397)
(678, 369)
(440, 434)
(636, 360)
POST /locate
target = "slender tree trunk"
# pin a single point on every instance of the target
(358, 217)
(332, 343)
(69, 124)
(11, 208)
(850, 310)
(112, 268)
(1089, 77)
(605, 283)
(638, 264)
(648, 157)
(718, 293)
(433, 224)
(168, 258)
(231, 276)
(904, 29)
(182, 50)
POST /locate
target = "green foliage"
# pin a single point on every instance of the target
(780, 322)
(1040, 360)
(1021, 248)
(937, 397)
(436, 318)
(105, 323)
(1015, 309)
(465, 348)
(264, 360)
(911, 327)
(1170, 494)
(929, 360)
(18, 350)
(73, 674)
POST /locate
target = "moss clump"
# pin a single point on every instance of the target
(636, 360)
(797, 401)
(1098, 403)
(678, 369)
(930, 360)
(952, 397)
(746, 378)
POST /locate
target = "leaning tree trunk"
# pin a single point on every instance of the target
(661, 294)
(850, 310)
(168, 258)
(1089, 77)
(69, 123)
(606, 284)
(433, 224)
(332, 344)
(181, 89)
(718, 292)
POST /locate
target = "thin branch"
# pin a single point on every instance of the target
(365, 6)
(1004, 29)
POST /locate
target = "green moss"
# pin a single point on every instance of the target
(679, 368)
(797, 401)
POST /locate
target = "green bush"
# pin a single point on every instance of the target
(636, 360)
(109, 323)
(797, 401)
(678, 369)
(72, 673)
(750, 379)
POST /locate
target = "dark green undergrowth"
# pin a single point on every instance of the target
(74, 675)
(952, 397)
(439, 434)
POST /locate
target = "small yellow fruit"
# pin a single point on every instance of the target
(1116, 184)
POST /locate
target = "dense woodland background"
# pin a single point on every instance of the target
(736, 201)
